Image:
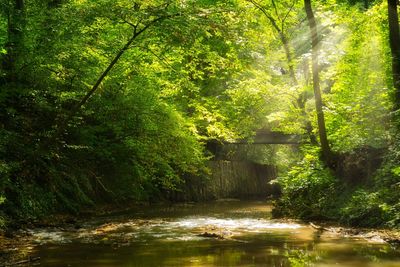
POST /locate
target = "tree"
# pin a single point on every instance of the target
(358, 95)
(326, 152)
(15, 12)
(394, 40)
(138, 29)
(280, 25)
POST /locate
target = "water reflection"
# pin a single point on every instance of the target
(233, 224)
(173, 236)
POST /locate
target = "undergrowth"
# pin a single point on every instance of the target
(311, 191)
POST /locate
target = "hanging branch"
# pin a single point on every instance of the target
(136, 33)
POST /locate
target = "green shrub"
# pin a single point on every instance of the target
(307, 189)
(364, 209)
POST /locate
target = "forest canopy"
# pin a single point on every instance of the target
(105, 101)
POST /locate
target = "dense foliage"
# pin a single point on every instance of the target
(359, 190)
(106, 101)
(111, 100)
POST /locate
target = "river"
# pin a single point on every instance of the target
(227, 233)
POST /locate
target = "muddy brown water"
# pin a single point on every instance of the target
(243, 234)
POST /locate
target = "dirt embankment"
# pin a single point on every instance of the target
(389, 236)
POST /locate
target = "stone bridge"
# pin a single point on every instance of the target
(264, 137)
(235, 176)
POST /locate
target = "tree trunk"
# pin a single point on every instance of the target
(288, 54)
(394, 39)
(16, 26)
(326, 152)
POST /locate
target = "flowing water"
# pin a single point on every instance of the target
(212, 234)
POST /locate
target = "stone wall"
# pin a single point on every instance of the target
(231, 179)
(240, 179)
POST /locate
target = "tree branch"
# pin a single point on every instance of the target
(287, 14)
(136, 33)
(270, 18)
(112, 64)
(275, 8)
